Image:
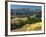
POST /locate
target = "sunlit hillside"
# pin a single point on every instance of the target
(30, 27)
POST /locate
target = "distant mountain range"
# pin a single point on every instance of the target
(25, 11)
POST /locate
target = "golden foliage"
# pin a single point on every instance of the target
(30, 27)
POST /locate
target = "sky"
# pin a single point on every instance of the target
(25, 6)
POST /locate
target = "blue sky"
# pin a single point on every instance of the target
(25, 6)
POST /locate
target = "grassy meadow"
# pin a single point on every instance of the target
(30, 23)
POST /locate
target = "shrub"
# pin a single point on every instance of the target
(32, 20)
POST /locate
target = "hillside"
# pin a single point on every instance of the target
(28, 27)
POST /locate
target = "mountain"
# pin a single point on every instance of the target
(24, 11)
